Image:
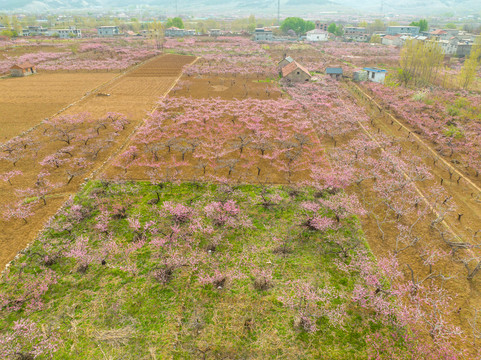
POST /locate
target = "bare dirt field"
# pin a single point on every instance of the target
(130, 94)
(27, 101)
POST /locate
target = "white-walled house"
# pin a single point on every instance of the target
(376, 75)
(317, 35)
(108, 31)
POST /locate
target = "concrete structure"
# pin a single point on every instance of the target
(360, 75)
(463, 49)
(376, 75)
(394, 40)
(334, 72)
(295, 72)
(355, 33)
(406, 30)
(354, 30)
(215, 32)
(71, 32)
(176, 32)
(439, 34)
(106, 31)
(317, 35)
(263, 34)
(449, 46)
(23, 69)
(321, 26)
(34, 30)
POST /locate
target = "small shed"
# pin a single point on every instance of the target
(376, 74)
(23, 69)
(286, 61)
(334, 72)
(295, 72)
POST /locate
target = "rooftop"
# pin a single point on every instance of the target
(288, 58)
(317, 31)
(24, 65)
(334, 70)
(289, 68)
(375, 70)
(438, 32)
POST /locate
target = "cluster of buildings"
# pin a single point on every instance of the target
(71, 32)
(293, 72)
(453, 42)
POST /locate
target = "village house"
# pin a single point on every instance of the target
(321, 26)
(405, 30)
(439, 34)
(355, 33)
(463, 49)
(317, 35)
(263, 34)
(449, 46)
(394, 40)
(376, 75)
(34, 30)
(334, 72)
(71, 32)
(174, 32)
(106, 31)
(295, 72)
(23, 69)
(215, 32)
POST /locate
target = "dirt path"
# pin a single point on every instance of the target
(133, 93)
(460, 225)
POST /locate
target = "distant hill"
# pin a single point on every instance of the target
(291, 7)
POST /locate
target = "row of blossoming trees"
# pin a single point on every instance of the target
(49, 159)
(91, 55)
(234, 56)
(407, 210)
(449, 119)
(241, 140)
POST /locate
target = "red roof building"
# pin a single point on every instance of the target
(23, 69)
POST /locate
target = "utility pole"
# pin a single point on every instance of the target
(278, 12)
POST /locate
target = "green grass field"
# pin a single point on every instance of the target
(189, 271)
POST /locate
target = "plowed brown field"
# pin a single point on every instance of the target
(134, 93)
(26, 101)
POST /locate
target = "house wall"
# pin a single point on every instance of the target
(110, 31)
(316, 37)
(298, 76)
(16, 72)
(360, 75)
(394, 30)
(376, 76)
(263, 36)
(336, 76)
